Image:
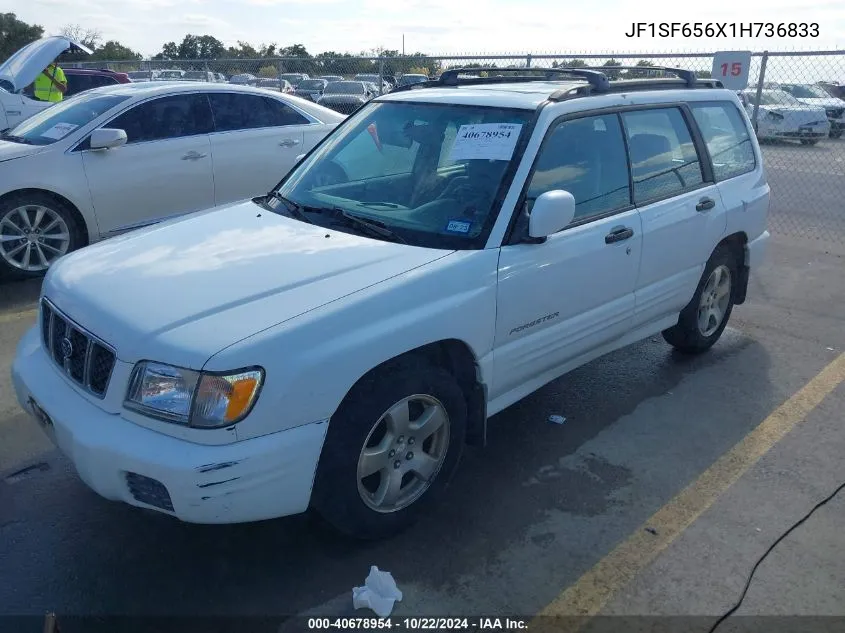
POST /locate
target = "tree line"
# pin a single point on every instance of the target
(14, 34)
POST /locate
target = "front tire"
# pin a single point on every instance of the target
(809, 141)
(35, 230)
(836, 134)
(705, 317)
(390, 450)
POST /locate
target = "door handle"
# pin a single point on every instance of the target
(193, 156)
(619, 234)
(705, 204)
(289, 142)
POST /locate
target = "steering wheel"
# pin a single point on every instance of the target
(330, 173)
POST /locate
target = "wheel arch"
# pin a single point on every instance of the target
(737, 243)
(456, 357)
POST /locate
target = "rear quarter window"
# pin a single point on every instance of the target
(726, 135)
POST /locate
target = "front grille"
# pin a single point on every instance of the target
(87, 360)
(149, 491)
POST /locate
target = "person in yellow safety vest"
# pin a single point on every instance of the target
(51, 84)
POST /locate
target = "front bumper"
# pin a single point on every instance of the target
(251, 480)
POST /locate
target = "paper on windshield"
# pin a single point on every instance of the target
(491, 141)
(59, 131)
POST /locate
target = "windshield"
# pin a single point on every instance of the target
(195, 74)
(773, 97)
(345, 88)
(312, 84)
(140, 74)
(430, 173)
(56, 122)
(807, 92)
(171, 74)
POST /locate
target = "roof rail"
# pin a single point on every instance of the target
(630, 85)
(597, 80)
(452, 77)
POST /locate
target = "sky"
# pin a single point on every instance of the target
(438, 26)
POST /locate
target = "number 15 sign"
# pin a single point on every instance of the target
(731, 68)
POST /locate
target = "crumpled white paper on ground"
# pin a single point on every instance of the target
(379, 593)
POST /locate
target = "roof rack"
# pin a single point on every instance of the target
(597, 81)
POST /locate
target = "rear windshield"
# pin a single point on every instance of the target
(345, 88)
(195, 74)
(312, 84)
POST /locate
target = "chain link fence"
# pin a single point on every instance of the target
(795, 99)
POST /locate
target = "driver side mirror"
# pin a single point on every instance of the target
(552, 211)
(107, 138)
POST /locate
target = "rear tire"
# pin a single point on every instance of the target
(705, 317)
(35, 230)
(381, 467)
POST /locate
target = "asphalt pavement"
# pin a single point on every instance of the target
(669, 478)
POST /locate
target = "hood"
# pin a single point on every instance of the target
(21, 69)
(181, 291)
(795, 116)
(10, 150)
(783, 109)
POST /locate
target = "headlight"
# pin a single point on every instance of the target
(775, 116)
(199, 399)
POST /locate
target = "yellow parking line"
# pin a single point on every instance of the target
(17, 316)
(597, 586)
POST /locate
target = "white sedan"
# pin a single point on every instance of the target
(116, 158)
(782, 116)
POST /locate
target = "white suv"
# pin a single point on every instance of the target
(446, 251)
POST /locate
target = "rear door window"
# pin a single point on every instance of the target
(726, 135)
(245, 112)
(664, 160)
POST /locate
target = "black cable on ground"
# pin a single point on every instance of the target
(795, 525)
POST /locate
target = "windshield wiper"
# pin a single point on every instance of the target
(350, 219)
(389, 205)
(16, 139)
(294, 209)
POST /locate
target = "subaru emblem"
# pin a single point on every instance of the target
(67, 347)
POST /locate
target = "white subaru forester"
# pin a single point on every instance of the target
(447, 250)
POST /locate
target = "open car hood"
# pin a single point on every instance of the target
(21, 69)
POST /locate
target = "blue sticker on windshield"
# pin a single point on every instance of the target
(458, 226)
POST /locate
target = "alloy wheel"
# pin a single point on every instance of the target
(32, 237)
(403, 453)
(715, 299)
